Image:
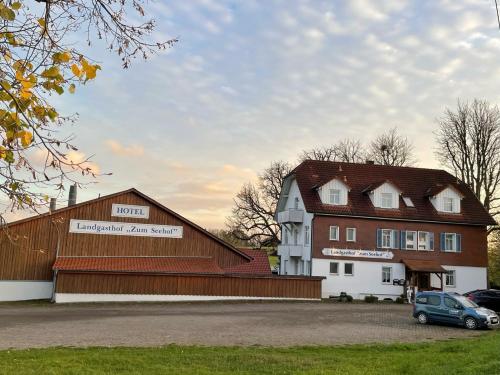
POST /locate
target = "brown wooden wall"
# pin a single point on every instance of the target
(30, 251)
(199, 285)
(474, 240)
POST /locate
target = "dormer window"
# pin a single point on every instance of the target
(296, 203)
(445, 198)
(448, 204)
(335, 196)
(386, 200)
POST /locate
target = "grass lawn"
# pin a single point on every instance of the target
(470, 356)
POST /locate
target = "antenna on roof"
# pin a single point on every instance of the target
(345, 178)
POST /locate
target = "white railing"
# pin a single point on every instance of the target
(291, 215)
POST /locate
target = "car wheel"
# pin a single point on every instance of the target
(470, 323)
(422, 318)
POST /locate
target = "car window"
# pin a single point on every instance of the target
(450, 302)
(466, 302)
(434, 300)
(422, 300)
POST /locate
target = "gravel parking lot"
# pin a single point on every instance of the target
(27, 325)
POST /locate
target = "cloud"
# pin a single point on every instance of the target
(119, 149)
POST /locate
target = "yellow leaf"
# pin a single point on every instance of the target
(25, 94)
(19, 75)
(72, 88)
(25, 136)
(41, 22)
(76, 70)
(16, 5)
(7, 56)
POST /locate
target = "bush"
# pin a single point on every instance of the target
(400, 300)
(345, 298)
(371, 299)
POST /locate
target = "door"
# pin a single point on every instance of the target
(424, 281)
(452, 311)
(435, 308)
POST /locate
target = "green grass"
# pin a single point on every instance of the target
(273, 260)
(479, 355)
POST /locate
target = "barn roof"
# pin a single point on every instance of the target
(258, 265)
(414, 183)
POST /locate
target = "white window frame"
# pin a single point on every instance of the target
(330, 268)
(415, 240)
(307, 235)
(449, 200)
(453, 243)
(453, 277)
(353, 231)
(349, 274)
(334, 193)
(337, 231)
(384, 196)
(427, 241)
(390, 238)
(384, 268)
(296, 203)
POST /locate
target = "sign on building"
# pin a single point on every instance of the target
(130, 210)
(358, 253)
(124, 229)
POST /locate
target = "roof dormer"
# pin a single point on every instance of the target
(334, 192)
(445, 198)
(384, 194)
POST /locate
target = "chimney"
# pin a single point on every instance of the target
(371, 162)
(53, 202)
(72, 195)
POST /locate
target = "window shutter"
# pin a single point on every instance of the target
(379, 238)
(395, 239)
(459, 242)
(403, 240)
(442, 241)
(431, 240)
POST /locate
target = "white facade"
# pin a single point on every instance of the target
(295, 248)
(335, 184)
(365, 280)
(20, 290)
(466, 279)
(442, 200)
(377, 195)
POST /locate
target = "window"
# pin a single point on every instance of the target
(386, 200)
(334, 196)
(448, 204)
(434, 300)
(386, 238)
(348, 269)
(334, 233)
(306, 235)
(351, 234)
(285, 236)
(296, 203)
(408, 202)
(450, 279)
(450, 302)
(411, 240)
(425, 240)
(334, 268)
(386, 275)
(451, 242)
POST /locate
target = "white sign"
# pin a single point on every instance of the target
(124, 229)
(358, 253)
(130, 210)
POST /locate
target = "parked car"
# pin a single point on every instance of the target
(452, 308)
(485, 298)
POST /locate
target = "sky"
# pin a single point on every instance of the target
(252, 81)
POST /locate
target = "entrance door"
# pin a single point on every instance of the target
(424, 281)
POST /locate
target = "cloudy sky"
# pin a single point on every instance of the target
(254, 81)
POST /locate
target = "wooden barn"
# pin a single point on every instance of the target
(128, 247)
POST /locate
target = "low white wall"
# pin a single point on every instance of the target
(466, 279)
(367, 279)
(80, 297)
(20, 290)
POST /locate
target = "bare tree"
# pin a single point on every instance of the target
(347, 150)
(469, 145)
(390, 148)
(252, 218)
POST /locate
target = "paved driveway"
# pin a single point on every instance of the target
(272, 323)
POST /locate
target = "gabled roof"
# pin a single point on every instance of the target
(375, 185)
(342, 180)
(414, 182)
(438, 188)
(258, 265)
(196, 265)
(145, 197)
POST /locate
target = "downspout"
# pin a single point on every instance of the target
(312, 244)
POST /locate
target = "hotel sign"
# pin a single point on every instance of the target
(124, 229)
(358, 253)
(130, 210)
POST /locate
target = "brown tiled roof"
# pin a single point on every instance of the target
(413, 182)
(258, 265)
(194, 265)
(423, 265)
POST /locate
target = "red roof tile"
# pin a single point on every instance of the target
(138, 264)
(258, 265)
(413, 182)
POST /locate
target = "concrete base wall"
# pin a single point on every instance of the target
(20, 290)
(80, 297)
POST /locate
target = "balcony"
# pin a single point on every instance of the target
(293, 251)
(291, 215)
